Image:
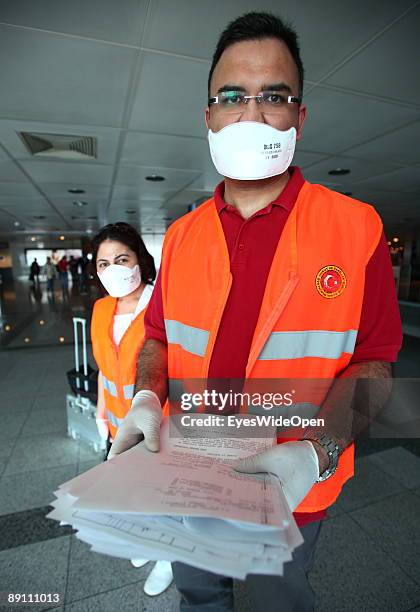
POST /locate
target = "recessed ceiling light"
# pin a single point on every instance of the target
(395, 239)
(80, 203)
(39, 217)
(62, 237)
(76, 190)
(16, 223)
(339, 171)
(33, 238)
(7, 328)
(27, 340)
(89, 231)
(42, 322)
(155, 178)
(61, 338)
(89, 256)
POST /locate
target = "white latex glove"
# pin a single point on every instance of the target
(294, 463)
(144, 418)
(102, 425)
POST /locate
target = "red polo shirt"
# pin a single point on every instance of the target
(252, 243)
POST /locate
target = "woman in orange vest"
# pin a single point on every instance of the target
(127, 271)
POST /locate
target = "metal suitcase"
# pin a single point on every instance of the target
(81, 411)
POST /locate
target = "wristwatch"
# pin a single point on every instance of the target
(333, 451)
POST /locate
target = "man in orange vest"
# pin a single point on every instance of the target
(272, 278)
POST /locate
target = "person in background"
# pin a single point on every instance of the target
(51, 274)
(84, 273)
(74, 270)
(34, 272)
(127, 271)
(63, 266)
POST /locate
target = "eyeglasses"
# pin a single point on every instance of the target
(268, 101)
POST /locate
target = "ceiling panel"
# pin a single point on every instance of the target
(173, 26)
(189, 196)
(46, 171)
(369, 70)
(9, 171)
(116, 216)
(59, 191)
(166, 151)
(125, 204)
(120, 22)
(47, 77)
(17, 189)
(52, 221)
(386, 199)
(402, 144)
(6, 221)
(405, 180)
(306, 158)
(328, 30)
(135, 193)
(208, 181)
(135, 176)
(68, 208)
(107, 138)
(338, 120)
(26, 206)
(359, 170)
(171, 96)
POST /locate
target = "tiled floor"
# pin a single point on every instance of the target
(367, 558)
(29, 322)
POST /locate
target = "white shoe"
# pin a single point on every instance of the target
(139, 562)
(159, 578)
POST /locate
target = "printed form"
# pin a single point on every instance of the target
(184, 503)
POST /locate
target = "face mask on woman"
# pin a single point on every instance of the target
(119, 280)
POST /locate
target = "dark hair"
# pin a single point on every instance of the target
(258, 26)
(125, 233)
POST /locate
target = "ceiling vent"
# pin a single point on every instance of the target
(61, 146)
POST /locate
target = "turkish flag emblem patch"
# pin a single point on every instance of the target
(330, 281)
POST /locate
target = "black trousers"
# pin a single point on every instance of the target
(201, 590)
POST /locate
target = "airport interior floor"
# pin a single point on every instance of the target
(366, 559)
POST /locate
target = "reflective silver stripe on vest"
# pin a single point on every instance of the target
(110, 386)
(299, 344)
(115, 421)
(192, 339)
(128, 391)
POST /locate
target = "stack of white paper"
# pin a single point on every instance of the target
(185, 503)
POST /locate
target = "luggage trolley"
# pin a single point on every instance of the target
(81, 403)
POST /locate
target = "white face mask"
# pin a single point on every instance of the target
(120, 280)
(249, 150)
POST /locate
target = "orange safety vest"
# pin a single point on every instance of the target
(301, 332)
(118, 364)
